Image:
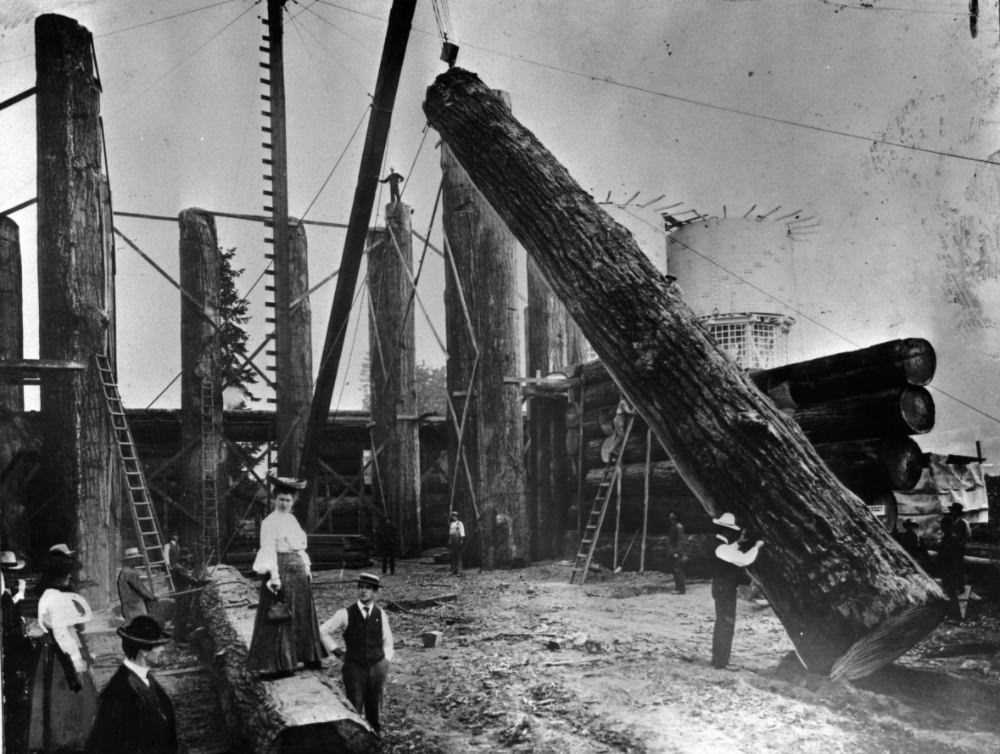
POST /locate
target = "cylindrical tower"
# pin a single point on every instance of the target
(737, 275)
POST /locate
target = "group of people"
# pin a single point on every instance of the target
(50, 698)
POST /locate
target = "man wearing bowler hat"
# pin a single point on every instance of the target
(135, 715)
(367, 648)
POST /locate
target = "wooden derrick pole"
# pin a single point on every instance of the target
(293, 360)
(553, 343)
(482, 283)
(849, 597)
(390, 66)
(645, 502)
(201, 366)
(76, 303)
(391, 372)
(11, 311)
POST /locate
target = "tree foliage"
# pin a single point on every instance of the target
(429, 382)
(233, 314)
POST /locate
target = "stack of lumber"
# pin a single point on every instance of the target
(858, 409)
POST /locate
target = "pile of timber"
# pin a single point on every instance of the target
(325, 551)
(858, 409)
(307, 712)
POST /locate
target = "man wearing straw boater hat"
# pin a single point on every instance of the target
(135, 715)
(367, 651)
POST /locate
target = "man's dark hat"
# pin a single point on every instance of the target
(286, 483)
(956, 508)
(910, 524)
(145, 631)
(369, 579)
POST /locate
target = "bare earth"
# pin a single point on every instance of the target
(530, 663)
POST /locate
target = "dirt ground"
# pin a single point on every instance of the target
(530, 663)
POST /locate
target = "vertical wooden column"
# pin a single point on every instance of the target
(492, 504)
(554, 342)
(76, 306)
(11, 314)
(294, 360)
(391, 367)
(201, 361)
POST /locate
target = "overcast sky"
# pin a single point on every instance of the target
(880, 120)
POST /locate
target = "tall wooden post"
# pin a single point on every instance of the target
(391, 367)
(393, 51)
(848, 595)
(553, 343)
(482, 287)
(76, 306)
(201, 373)
(11, 313)
(294, 363)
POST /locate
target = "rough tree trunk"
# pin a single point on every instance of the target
(391, 367)
(76, 306)
(304, 714)
(11, 312)
(201, 362)
(483, 253)
(848, 596)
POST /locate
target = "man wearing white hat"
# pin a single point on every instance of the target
(367, 648)
(16, 654)
(727, 562)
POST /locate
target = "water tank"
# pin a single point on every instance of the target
(737, 274)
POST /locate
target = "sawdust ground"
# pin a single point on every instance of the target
(631, 673)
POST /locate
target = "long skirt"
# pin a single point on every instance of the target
(280, 647)
(60, 717)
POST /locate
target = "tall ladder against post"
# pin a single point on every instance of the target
(592, 531)
(143, 515)
(209, 493)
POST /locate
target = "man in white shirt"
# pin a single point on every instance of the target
(728, 559)
(363, 630)
(456, 542)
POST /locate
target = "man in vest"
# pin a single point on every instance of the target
(367, 648)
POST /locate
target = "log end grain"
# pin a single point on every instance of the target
(889, 640)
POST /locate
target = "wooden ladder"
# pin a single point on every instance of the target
(209, 492)
(591, 532)
(143, 515)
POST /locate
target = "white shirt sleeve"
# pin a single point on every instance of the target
(331, 633)
(731, 553)
(388, 647)
(266, 561)
(49, 605)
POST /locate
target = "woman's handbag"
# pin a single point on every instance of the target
(278, 612)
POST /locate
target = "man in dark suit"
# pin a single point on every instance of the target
(135, 715)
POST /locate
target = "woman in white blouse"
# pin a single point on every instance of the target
(63, 696)
(283, 643)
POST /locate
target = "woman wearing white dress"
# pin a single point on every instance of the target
(63, 697)
(279, 646)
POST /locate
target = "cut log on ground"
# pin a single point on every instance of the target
(307, 712)
(848, 595)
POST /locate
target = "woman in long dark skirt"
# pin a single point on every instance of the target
(279, 646)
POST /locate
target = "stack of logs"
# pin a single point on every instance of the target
(857, 408)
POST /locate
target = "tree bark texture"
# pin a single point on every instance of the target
(201, 364)
(294, 352)
(11, 311)
(305, 714)
(480, 315)
(76, 303)
(849, 597)
(391, 371)
(896, 411)
(554, 342)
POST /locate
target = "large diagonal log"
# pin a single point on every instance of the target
(849, 597)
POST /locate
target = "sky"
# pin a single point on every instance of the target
(880, 120)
